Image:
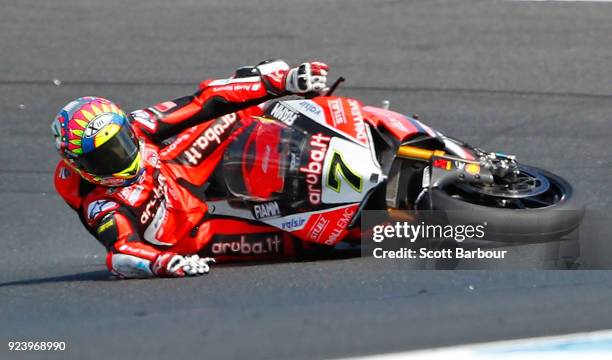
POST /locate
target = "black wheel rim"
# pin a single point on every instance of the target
(533, 190)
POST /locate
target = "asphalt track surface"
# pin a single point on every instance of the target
(534, 79)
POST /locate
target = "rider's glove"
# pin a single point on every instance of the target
(197, 265)
(170, 264)
(308, 77)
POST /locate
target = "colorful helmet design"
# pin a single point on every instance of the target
(95, 139)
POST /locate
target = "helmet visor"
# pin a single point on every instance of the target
(114, 156)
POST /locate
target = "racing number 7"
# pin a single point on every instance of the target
(337, 165)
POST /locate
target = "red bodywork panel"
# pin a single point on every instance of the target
(261, 175)
(346, 115)
(401, 126)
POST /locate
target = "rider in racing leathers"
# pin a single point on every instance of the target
(136, 180)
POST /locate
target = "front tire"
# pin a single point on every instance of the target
(546, 217)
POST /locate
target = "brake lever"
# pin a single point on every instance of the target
(313, 94)
(336, 83)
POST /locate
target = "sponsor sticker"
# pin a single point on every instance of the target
(284, 114)
(313, 169)
(106, 225)
(360, 129)
(99, 207)
(318, 228)
(178, 141)
(112, 181)
(293, 223)
(158, 196)
(97, 124)
(443, 164)
(145, 119)
(132, 194)
(238, 87)
(341, 224)
(310, 107)
(205, 144)
(469, 168)
(337, 112)
(64, 173)
(472, 169)
(254, 244)
(266, 210)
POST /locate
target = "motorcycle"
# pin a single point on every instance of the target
(310, 167)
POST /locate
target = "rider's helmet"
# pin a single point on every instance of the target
(95, 139)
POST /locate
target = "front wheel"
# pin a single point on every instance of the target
(542, 207)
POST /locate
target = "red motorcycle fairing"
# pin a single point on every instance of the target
(327, 227)
(337, 116)
(262, 174)
(304, 168)
(401, 126)
(405, 128)
(235, 239)
(345, 116)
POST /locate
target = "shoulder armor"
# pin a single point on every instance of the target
(67, 184)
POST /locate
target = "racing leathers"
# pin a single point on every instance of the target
(155, 226)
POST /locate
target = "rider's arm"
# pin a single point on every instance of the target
(248, 87)
(130, 257)
(127, 255)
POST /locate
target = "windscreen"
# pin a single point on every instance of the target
(263, 162)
